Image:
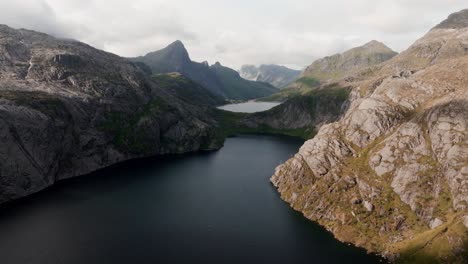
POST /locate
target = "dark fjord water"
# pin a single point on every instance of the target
(215, 207)
(249, 107)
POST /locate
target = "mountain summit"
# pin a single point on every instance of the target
(172, 58)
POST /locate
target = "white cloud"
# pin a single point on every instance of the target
(288, 32)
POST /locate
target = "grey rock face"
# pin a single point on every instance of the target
(67, 109)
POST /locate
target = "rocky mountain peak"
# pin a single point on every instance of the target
(177, 45)
(374, 44)
(178, 50)
(174, 52)
(455, 21)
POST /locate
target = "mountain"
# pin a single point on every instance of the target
(336, 67)
(175, 58)
(276, 75)
(67, 109)
(339, 65)
(391, 174)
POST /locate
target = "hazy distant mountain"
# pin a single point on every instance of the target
(219, 80)
(276, 75)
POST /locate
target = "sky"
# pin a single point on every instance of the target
(234, 32)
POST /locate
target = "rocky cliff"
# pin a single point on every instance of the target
(276, 75)
(391, 175)
(218, 79)
(67, 109)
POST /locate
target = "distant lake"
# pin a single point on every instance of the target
(216, 207)
(249, 107)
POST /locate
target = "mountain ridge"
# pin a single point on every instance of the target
(327, 70)
(218, 79)
(336, 66)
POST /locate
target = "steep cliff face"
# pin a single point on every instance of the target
(391, 175)
(219, 80)
(67, 109)
(276, 75)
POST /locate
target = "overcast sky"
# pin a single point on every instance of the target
(234, 32)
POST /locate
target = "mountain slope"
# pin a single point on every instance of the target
(392, 174)
(187, 90)
(278, 76)
(175, 58)
(67, 109)
(236, 87)
(337, 66)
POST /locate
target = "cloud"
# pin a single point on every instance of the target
(37, 15)
(287, 32)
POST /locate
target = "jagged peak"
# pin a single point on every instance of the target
(176, 51)
(455, 21)
(376, 45)
(177, 44)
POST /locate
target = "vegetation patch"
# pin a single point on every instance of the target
(230, 124)
(309, 81)
(187, 90)
(123, 127)
(39, 101)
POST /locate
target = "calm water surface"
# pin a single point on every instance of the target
(215, 207)
(249, 107)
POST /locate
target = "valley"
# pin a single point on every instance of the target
(369, 144)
